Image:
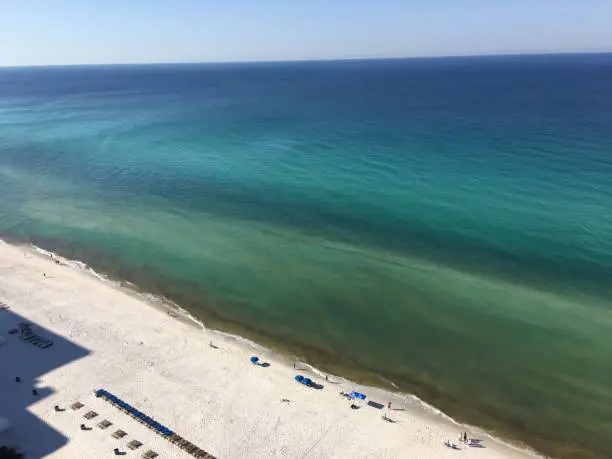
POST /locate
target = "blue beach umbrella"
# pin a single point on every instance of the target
(299, 378)
(307, 381)
(254, 359)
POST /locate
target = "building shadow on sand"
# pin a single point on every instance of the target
(23, 365)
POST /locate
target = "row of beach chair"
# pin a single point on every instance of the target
(189, 447)
(136, 414)
(29, 336)
(158, 428)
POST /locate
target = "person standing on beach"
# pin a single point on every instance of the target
(389, 405)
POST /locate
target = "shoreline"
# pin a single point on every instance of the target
(416, 406)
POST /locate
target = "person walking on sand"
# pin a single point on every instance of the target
(389, 405)
(465, 437)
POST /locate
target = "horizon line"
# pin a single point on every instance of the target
(338, 59)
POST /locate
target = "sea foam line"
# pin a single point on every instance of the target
(148, 298)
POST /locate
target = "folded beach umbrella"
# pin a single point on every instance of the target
(254, 359)
(299, 378)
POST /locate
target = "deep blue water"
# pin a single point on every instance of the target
(444, 223)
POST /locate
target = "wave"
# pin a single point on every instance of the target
(241, 339)
(76, 264)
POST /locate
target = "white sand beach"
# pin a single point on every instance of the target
(106, 337)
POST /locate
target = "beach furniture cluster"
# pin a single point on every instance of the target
(151, 423)
(105, 424)
(29, 336)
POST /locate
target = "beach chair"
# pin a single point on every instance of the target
(90, 415)
(134, 444)
(77, 406)
(174, 439)
(150, 454)
(105, 424)
(119, 434)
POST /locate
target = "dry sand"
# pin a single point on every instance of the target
(106, 337)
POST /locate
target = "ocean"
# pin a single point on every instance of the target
(441, 224)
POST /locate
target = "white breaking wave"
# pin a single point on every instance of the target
(76, 264)
(241, 339)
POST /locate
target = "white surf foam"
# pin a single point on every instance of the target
(76, 264)
(241, 339)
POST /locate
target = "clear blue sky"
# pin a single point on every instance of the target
(41, 32)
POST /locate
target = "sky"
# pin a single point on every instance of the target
(58, 32)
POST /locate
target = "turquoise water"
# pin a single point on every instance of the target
(442, 223)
